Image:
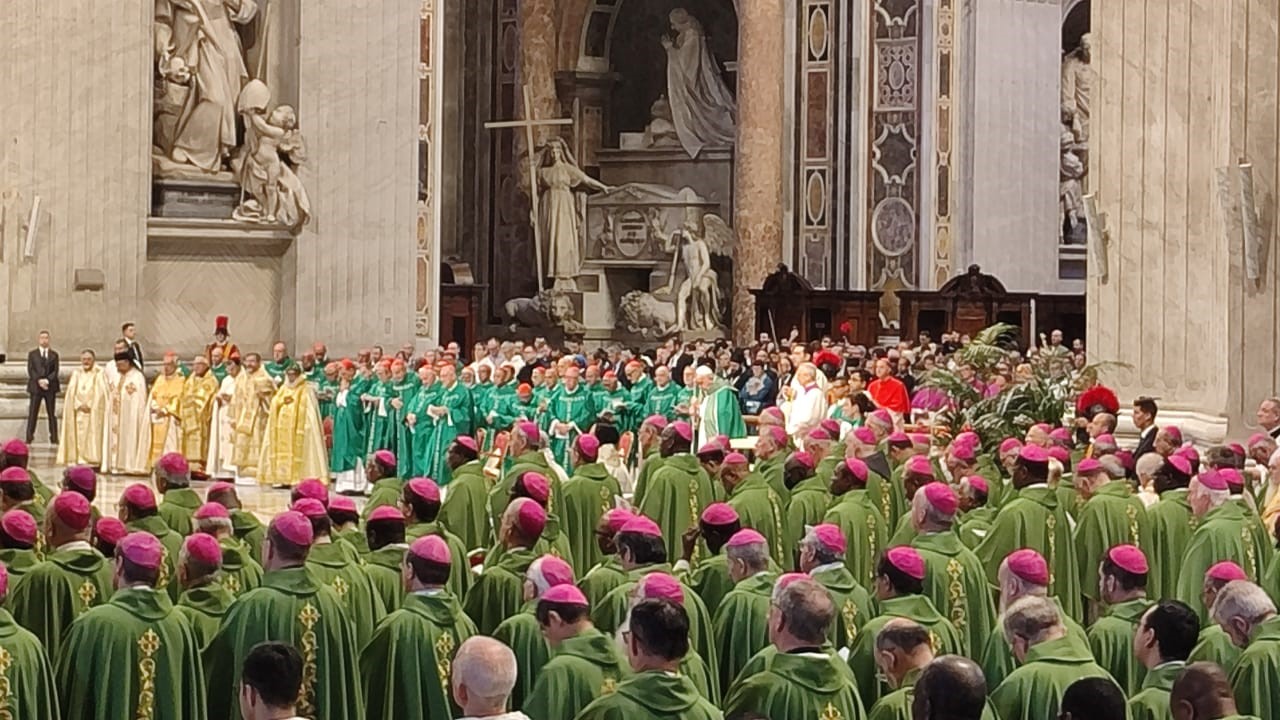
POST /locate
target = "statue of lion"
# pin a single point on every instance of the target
(641, 312)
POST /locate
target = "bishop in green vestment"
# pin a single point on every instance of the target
(465, 512)
(903, 651)
(740, 623)
(1248, 615)
(585, 663)
(1171, 523)
(756, 503)
(139, 513)
(448, 417)
(291, 606)
(1222, 533)
(718, 410)
(387, 485)
(134, 657)
(405, 666)
(523, 633)
(239, 571)
(18, 537)
(586, 496)
(637, 396)
(385, 531)
(612, 399)
(403, 391)
(1123, 589)
(204, 600)
(246, 527)
(678, 492)
(498, 593)
(173, 480)
(1051, 661)
(608, 573)
(810, 497)
(347, 451)
(822, 557)
(662, 397)
(1214, 644)
(648, 457)
(32, 692)
(570, 412)
(1111, 515)
(421, 505)
(710, 579)
(337, 565)
(525, 453)
(862, 525)
(1163, 641)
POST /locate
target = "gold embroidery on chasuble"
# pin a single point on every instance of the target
(830, 713)
(6, 690)
(871, 545)
(850, 614)
(1132, 513)
(693, 516)
(231, 584)
(88, 593)
(163, 580)
(148, 645)
(1246, 539)
(609, 686)
(1051, 523)
(956, 595)
(444, 648)
(778, 550)
(341, 587)
(308, 618)
(935, 642)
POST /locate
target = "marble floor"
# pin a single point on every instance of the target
(264, 502)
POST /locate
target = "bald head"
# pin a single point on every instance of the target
(1201, 692)
(484, 672)
(950, 688)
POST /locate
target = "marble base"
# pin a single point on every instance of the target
(208, 199)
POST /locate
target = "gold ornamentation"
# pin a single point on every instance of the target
(779, 552)
(148, 645)
(609, 686)
(444, 659)
(163, 580)
(308, 618)
(341, 587)
(693, 515)
(6, 690)
(1246, 539)
(1132, 513)
(850, 614)
(830, 713)
(885, 510)
(935, 642)
(231, 584)
(956, 595)
(1051, 523)
(871, 546)
(88, 592)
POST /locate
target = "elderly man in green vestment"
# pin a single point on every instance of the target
(822, 558)
(648, 456)
(586, 496)
(346, 523)
(1248, 615)
(525, 453)
(1122, 583)
(1111, 515)
(1033, 519)
(347, 450)
(810, 497)
(239, 572)
(585, 664)
(384, 563)
(951, 687)
(404, 667)
(18, 536)
(291, 606)
(1222, 532)
(716, 408)
(740, 623)
(134, 657)
(442, 419)
(173, 480)
(771, 458)
(29, 675)
(537, 487)
(404, 389)
(757, 505)
(1214, 644)
(466, 511)
(245, 526)
(853, 513)
(1051, 661)
(204, 601)
(678, 492)
(799, 681)
(420, 504)
(662, 396)
(522, 633)
(337, 565)
(711, 579)
(1162, 643)
(571, 411)
(637, 396)
(499, 591)
(608, 573)
(611, 399)
(1171, 523)
(18, 492)
(903, 652)
(954, 579)
(657, 640)
(1203, 692)
(387, 484)
(72, 579)
(899, 591)
(512, 407)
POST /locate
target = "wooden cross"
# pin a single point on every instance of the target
(529, 123)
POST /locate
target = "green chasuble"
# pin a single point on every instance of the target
(465, 511)
(720, 414)
(652, 695)
(500, 493)
(172, 542)
(810, 500)
(711, 580)
(956, 583)
(584, 498)
(71, 580)
(997, 658)
(897, 704)
(204, 607)
(1068, 498)
(1033, 519)
(291, 606)
(408, 391)
(601, 579)
(864, 533)
(460, 576)
(1256, 679)
(807, 685)
(507, 409)
(499, 591)
(853, 604)
(523, 635)
(576, 408)
(177, 507)
(1171, 526)
(885, 494)
(946, 639)
(1222, 534)
(383, 568)
(1214, 645)
(433, 436)
(385, 492)
(240, 572)
(741, 624)
(675, 498)
(405, 667)
(134, 657)
(661, 401)
(582, 669)
(248, 529)
(773, 469)
(28, 676)
(379, 433)
(637, 400)
(18, 562)
(650, 465)
(348, 449)
(1033, 691)
(1152, 702)
(353, 536)
(760, 509)
(336, 565)
(1111, 640)
(1113, 516)
(975, 524)
(614, 403)
(695, 668)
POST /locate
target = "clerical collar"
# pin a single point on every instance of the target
(73, 546)
(806, 650)
(1034, 485)
(1171, 663)
(827, 568)
(428, 592)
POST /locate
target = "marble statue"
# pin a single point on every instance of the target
(201, 69)
(276, 195)
(702, 108)
(1070, 184)
(559, 178)
(661, 131)
(1077, 84)
(699, 305)
(644, 314)
(549, 308)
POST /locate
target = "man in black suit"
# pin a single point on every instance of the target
(130, 333)
(1144, 418)
(42, 385)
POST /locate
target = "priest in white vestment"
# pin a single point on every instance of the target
(807, 404)
(218, 464)
(84, 414)
(128, 436)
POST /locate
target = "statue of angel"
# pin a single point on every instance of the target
(273, 146)
(699, 305)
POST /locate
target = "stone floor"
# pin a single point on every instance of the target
(262, 501)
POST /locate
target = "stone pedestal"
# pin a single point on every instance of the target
(1183, 91)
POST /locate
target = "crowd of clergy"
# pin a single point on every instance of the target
(590, 550)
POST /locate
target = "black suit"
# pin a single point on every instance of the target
(1146, 443)
(42, 367)
(135, 353)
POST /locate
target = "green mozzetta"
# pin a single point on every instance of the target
(581, 669)
(204, 607)
(1033, 519)
(72, 580)
(1034, 691)
(652, 695)
(1111, 640)
(799, 685)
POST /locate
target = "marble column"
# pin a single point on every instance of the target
(757, 191)
(1186, 91)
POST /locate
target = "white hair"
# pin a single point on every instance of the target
(704, 371)
(755, 555)
(1242, 599)
(1031, 618)
(487, 667)
(934, 519)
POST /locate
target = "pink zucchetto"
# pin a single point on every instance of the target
(140, 496)
(719, 514)
(1034, 454)
(660, 586)
(531, 519)
(19, 525)
(1009, 445)
(385, 457)
(109, 530)
(775, 433)
(941, 497)
(967, 438)
(1226, 571)
(785, 580)
(1174, 433)
(424, 489)
(16, 448)
(1179, 463)
(547, 572)
(310, 507)
(979, 483)
(657, 422)
(1029, 565)
(682, 430)
(341, 503)
(817, 435)
(1233, 478)
(1059, 453)
(219, 487)
(615, 518)
(919, 465)
(467, 442)
(314, 489)
(865, 435)
(907, 560)
(724, 442)
(536, 486)
(857, 467)
(72, 509)
(1087, 466)
(1258, 439)
(882, 417)
(805, 459)
(1212, 479)
(82, 477)
(565, 595)
(204, 549)
(745, 537)
(641, 525)
(1129, 558)
(14, 475)
(173, 464)
(1105, 439)
(735, 458)
(142, 549)
(529, 430)
(431, 548)
(1061, 435)
(711, 447)
(588, 446)
(963, 453)
(294, 527)
(773, 412)
(384, 513)
(831, 537)
(899, 438)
